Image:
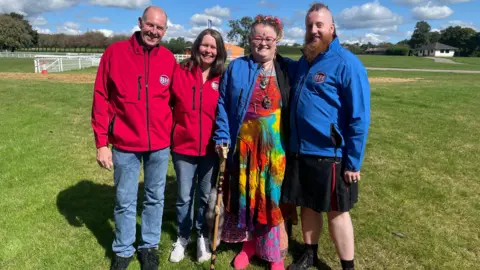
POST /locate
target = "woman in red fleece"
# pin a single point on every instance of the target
(194, 98)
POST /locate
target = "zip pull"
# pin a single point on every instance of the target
(139, 80)
(193, 100)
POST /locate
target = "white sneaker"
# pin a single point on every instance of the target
(203, 249)
(178, 252)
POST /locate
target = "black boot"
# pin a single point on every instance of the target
(308, 259)
(148, 258)
(120, 263)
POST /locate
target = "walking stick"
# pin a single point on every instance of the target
(223, 161)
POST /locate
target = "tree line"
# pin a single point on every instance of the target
(466, 39)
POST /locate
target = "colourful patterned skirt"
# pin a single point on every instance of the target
(261, 160)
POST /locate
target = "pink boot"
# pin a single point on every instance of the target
(242, 260)
(277, 265)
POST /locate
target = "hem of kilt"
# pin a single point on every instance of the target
(315, 207)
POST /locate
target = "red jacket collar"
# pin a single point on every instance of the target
(138, 48)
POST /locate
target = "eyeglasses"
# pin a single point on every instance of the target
(268, 40)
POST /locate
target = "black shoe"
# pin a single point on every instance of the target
(120, 263)
(148, 258)
(308, 259)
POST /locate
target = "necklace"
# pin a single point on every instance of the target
(264, 83)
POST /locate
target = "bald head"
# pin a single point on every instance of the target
(155, 10)
(153, 25)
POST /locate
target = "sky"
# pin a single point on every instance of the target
(359, 21)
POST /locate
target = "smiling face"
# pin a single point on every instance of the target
(319, 32)
(208, 50)
(319, 27)
(263, 43)
(153, 26)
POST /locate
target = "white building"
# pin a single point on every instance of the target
(437, 50)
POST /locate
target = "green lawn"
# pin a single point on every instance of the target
(419, 179)
(471, 63)
(468, 60)
(17, 65)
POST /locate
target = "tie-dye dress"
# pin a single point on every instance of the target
(261, 159)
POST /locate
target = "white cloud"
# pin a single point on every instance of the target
(105, 32)
(431, 12)
(218, 11)
(287, 42)
(409, 34)
(130, 4)
(135, 29)
(38, 21)
(459, 23)
(69, 28)
(267, 4)
(419, 2)
(369, 15)
(385, 30)
(202, 19)
(42, 30)
(99, 20)
(409, 2)
(366, 38)
(446, 2)
(294, 33)
(34, 7)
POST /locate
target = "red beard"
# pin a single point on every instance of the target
(311, 49)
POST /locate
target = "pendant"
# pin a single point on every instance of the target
(266, 103)
(264, 83)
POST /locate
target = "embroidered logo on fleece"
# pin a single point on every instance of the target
(215, 86)
(319, 77)
(164, 80)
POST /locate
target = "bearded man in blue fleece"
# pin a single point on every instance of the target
(329, 121)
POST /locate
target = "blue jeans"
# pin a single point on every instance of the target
(126, 173)
(188, 168)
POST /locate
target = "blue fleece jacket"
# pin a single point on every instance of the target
(331, 107)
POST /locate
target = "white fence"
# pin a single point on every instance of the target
(45, 63)
(61, 63)
(32, 55)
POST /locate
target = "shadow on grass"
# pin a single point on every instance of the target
(91, 205)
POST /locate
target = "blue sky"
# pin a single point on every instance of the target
(357, 20)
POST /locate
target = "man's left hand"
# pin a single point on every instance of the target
(351, 177)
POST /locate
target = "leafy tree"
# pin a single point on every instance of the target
(16, 32)
(434, 36)
(462, 38)
(420, 35)
(239, 31)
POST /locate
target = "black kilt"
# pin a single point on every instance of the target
(317, 183)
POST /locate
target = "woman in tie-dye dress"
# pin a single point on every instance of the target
(252, 118)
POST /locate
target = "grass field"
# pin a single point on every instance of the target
(470, 63)
(468, 60)
(419, 180)
(17, 65)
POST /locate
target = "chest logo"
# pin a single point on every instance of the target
(164, 80)
(215, 86)
(319, 77)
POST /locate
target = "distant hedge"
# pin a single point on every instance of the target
(397, 50)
